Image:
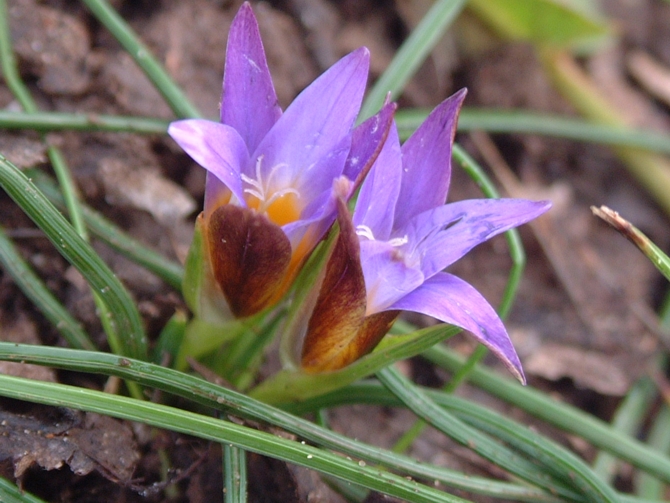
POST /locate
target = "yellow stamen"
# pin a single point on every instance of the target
(283, 209)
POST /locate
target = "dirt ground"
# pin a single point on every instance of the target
(583, 323)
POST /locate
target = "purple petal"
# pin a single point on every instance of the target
(249, 103)
(426, 159)
(367, 142)
(313, 137)
(443, 235)
(379, 193)
(387, 277)
(320, 214)
(216, 147)
(216, 193)
(452, 300)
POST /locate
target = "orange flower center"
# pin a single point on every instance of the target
(281, 205)
(281, 210)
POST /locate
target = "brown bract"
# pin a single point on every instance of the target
(338, 332)
(250, 256)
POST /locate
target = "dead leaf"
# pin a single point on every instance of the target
(23, 331)
(651, 74)
(588, 369)
(22, 151)
(146, 189)
(606, 285)
(53, 44)
(52, 438)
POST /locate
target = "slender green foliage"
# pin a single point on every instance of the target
(211, 395)
(412, 54)
(562, 465)
(223, 432)
(168, 270)
(123, 314)
(35, 289)
(561, 415)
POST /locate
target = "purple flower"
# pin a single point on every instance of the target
(390, 256)
(272, 179)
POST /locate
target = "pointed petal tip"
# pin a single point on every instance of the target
(244, 10)
(359, 56)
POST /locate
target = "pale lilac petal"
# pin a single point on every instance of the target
(367, 142)
(379, 193)
(216, 147)
(307, 147)
(387, 277)
(426, 159)
(453, 301)
(320, 214)
(215, 190)
(443, 235)
(248, 103)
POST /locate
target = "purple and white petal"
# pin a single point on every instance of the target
(366, 143)
(320, 214)
(387, 277)
(248, 102)
(216, 147)
(307, 147)
(453, 301)
(379, 193)
(443, 235)
(426, 159)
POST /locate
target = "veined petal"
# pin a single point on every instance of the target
(452, 300)
(216, 147)
(340, 307)
(426, 159)
(367, 141)
(307, 147)
(379, 193)
(250, 256)
(443, 235)
(387, 276)
(249, 102)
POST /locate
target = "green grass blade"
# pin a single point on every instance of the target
(583, 479)
(9, 493)
(635, 236)
(648, 486)
(371, 392)
(563, 416)
(235, 474)
(123, 313)
(172, 93)
(168, 270)
(35, 289)
(500, 121)
(470, 119)
(411, 54)
(22, 95)
(10, 69)
(628, 419)
(208, 428)
(90, 122)
(210, 395)
(555, 23)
